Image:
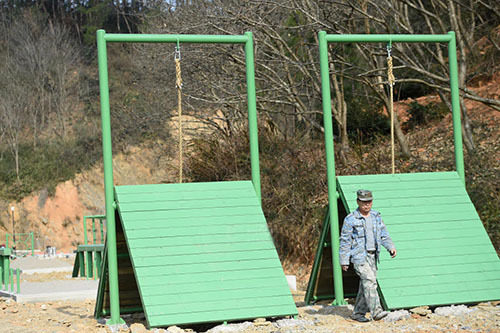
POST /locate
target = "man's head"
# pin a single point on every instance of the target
(365, 201)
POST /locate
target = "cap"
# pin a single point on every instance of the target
(364, 195)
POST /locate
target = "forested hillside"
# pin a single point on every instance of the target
(50, 119)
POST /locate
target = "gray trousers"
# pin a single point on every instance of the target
(367, 299)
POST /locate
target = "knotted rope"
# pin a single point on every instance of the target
(178, 83)
(391, 80)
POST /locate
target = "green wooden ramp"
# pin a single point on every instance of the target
(202, 252)
(444, 253)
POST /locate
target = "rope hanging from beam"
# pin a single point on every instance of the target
(391, 80)
(178, 84)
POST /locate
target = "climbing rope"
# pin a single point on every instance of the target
(391, 80)
(178, 83)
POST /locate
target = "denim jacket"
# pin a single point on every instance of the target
(352, 237)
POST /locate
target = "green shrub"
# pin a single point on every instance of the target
(45, 166)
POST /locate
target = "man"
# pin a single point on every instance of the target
(362, 234)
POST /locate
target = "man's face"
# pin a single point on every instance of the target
(365, 206)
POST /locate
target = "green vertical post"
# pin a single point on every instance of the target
(93, 231)
(7, 240)
(89, 263)
(11, 278)
(18, 280)
(455, 106)
(330, 168)
(98, 257)
(85, 240)
(252, 114)
(32, 244)
(6, 270)
(102, 230)
(114, 298)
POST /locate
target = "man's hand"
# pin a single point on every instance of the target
(345, 268)
(393, 253)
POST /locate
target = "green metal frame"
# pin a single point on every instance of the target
(102, 39)
(30, 237)
(324, 39)
(94, 229)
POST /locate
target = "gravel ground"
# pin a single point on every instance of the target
(66, 316)
(77, 316)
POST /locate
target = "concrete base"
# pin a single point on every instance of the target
(62, 290)
(47, 270)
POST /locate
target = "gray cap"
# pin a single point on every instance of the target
(364, 195)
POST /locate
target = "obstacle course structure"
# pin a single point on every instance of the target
(25, 242)
(444, 253)
(88, 257)
(194, 252)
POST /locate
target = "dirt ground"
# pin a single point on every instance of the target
(67, 316)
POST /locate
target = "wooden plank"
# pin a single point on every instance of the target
(472, 232)
(394, 193)
(280, 289)
(169, 270)
(200, 278)
(137, 217)
(398, 177)
(493, 285)
(187, 195)
(204, 258)
(438, 260)
(236, 314)
(196, 231)
(455, 297)
(438, 270)
(431, 226)
(189, 249)
(197, 240)
(194, 222)
(191, 305)
(241, 283)
(349, 191)
(443, 251)
(418, 281)
(189, 204)
(452, 209)
(430, 218)
(407, 203)
(440, 243)
(175, 187)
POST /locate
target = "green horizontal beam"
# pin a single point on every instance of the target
(364, 38)
(157, 38)
(94, 217)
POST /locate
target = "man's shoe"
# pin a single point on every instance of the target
(380, 315)
(360, 318)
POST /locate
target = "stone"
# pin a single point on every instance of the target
(397, 315)
(453, 310)
(43, 307)
(137, 328)
(175, 329)
(294, 323)
(261, 322)
(231, 327)
(421, 310)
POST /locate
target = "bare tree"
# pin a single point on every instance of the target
(45, 59)
(13, 114)
(428, 62)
